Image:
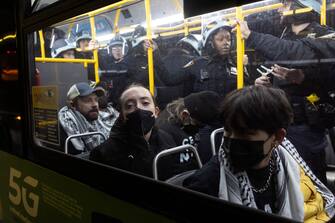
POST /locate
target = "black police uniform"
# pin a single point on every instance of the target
(216, 74)
(90, 67)
(139, 73)
(174, 62)
(116, 76)
(309, 138)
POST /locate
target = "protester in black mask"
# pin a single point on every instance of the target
(134, 141)
(185, 117)
(257, 166)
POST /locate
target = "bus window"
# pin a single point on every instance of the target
(83, 64)
(74, 51)
(39, 5)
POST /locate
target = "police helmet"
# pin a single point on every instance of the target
(60, 46)
(212, 29)
(314, 4)
(118, 40)
(138, 36)
(192, 40)
(82, 35)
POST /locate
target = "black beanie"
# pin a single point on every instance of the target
(203, 106)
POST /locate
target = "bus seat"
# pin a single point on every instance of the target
(171, 151)
(79, 136)
(330, 159)
(213, 135)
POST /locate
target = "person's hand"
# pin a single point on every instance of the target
(263, 80)
(93, 45)
(245, 31)
(245, 59)
(294, 76)
(150, 44)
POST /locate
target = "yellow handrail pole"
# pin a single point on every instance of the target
(40, 32)
(298, 11)
(116, 21)
(262, 9)
(69, 28)
(240, 49)
(186, 30)
(95, 51)
(150, 51)
(323, 17)
(63, 60)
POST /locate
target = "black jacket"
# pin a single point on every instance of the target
(90, 68)
(116, 76)
(213, 74)
(132, 152)
(139, 73)
(206, 179)
(175, 61)
(300, 52)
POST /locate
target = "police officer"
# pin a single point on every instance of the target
(82, 44)
(84, 50)
(139, 68)
(114, 68)
(185, 50)
(307, 132)
(62, 48)
(216, 71)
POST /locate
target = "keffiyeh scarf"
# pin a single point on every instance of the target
(73, 122)
(236, 187)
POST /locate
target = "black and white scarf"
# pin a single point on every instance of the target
(73, 122)
(236, 187)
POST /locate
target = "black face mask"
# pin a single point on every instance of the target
(244, 154)
(140, 121)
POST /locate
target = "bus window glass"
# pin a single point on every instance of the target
(73, 51)
(84, 64)
(39, 5)
(70, 52)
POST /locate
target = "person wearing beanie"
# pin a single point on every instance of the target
(190, 120)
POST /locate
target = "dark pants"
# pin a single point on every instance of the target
(311, 145)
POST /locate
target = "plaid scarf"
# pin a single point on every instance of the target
(73, 122)
(236, 187)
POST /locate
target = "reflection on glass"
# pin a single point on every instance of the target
(83, 66)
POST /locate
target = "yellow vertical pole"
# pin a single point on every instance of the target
(186, 30)
(116, 21)
(240, 49)
(69, 28)
(40, 32)
(150, 50)
(95, 51)
(323, 16)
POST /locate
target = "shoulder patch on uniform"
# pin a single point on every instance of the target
(311, 35)
(189, 64)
